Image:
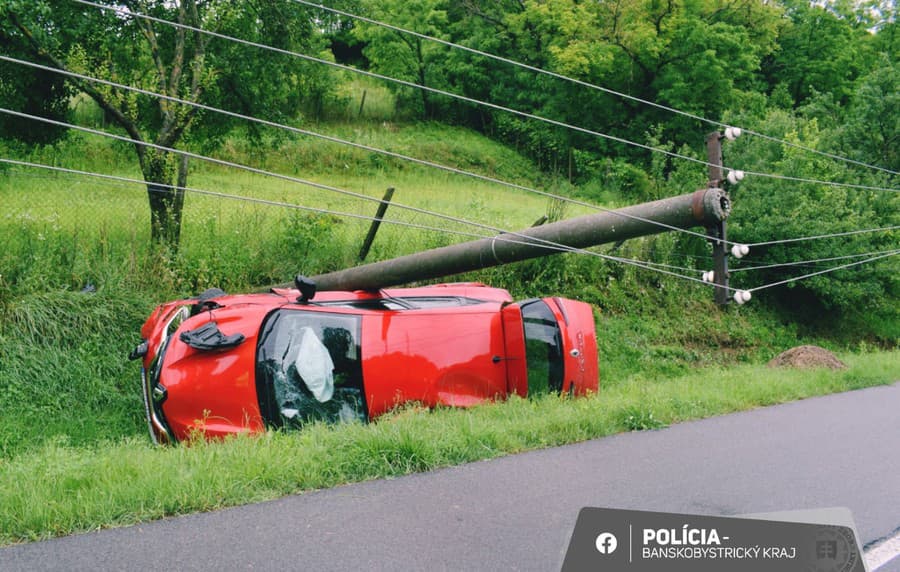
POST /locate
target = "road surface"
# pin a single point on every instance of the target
(517, 512)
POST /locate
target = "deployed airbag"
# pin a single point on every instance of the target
(315, 366)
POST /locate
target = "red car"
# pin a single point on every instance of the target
(221, 364)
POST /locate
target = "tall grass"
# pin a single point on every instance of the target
(61, 488)
(78, 277)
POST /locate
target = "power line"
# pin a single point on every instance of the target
(225, 163)
(805, 276)
(669, 266)
(812, 262)
(548, 244)
(462, 221)
(157, 187)
(345, 142)
(503, 236)
(410, 84)
(413, 85)
(821, 236)
(582, 83)
(818, 182)
(277, 176)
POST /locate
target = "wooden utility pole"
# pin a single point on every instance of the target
(718, 232)
(376, 223)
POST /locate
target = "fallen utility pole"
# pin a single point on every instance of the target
(704, 208)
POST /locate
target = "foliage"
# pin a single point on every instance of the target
(119, 45)
(774, 209)
(404, 56)
(871, 129)
(819, 53)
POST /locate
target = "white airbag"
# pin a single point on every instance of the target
(315, 366)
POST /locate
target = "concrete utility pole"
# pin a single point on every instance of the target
(705, 208)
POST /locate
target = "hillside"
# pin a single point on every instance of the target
(64, 348)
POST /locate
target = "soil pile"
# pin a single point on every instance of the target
(807, 357)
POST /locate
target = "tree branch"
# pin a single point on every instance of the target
(146, 28)
(114, 112)
(178, 54)
(175, 125)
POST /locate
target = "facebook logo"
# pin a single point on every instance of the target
(606, 543)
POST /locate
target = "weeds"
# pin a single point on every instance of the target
(61, 487)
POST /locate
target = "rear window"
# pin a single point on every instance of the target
(543, 348)
(308, 368)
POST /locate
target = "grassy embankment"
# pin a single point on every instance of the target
(73, 454)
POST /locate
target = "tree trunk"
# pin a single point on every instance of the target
(166, 200)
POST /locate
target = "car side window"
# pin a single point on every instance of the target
(309, 368)
(543, 348)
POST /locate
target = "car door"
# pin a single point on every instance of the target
(558, 341)
(436, 357)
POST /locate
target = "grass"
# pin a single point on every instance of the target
(63, 488)
(73, 451)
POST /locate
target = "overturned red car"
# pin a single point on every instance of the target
(222, 364)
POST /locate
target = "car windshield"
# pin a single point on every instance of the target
(543, 348)
(309, 369)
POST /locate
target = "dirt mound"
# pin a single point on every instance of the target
(807, 357)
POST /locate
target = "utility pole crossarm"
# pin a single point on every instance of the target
(704, 208)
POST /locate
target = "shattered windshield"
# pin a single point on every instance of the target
(308, 368)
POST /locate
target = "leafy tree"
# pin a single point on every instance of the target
(35, 92)
(176, 61)
(697, 55)
(819, 52)
(405, 56)
(871, 131)
(768, 209)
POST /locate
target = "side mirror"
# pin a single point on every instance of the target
(306, 287)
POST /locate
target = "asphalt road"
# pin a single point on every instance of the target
(517, 512)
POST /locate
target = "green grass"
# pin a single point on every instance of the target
(74, 454)
(63, 488)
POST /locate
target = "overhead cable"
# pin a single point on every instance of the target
(531, 240)
(822, 236)
(414, 85)
(503, 236)
(127, 12)
(582, 83)
(811, 262)
(346, 142)
(833, 269)
(232, 164)
(818, 182)
(158, 187)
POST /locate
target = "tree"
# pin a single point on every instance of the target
(35, 92)
(872, 128)
(175, 60)
(697, 55)
(767, 209)
(820, 52)
(405, 56)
